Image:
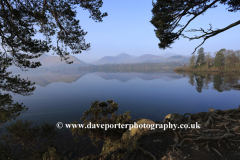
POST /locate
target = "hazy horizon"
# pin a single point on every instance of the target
(129, 31)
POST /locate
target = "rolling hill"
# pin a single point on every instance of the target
(48, 61)
(52, 63)
(177, 58)
(125, 58)
(121, 58)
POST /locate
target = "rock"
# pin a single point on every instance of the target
(173, 117)
(210, 110)
(126, 135)
(236, 86)
(139, 131)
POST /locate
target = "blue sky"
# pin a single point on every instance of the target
(127, 29)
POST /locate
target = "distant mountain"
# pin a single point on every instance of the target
(177, 58)
(48, 61)
(52, 70)
(166, 55)
(149, 58)
(121, 58)
(125, 58)
(52, 63)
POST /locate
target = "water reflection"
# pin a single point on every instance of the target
(44, 78)
(220, 81)
(144, 94)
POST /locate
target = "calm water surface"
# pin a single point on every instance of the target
(64, 96)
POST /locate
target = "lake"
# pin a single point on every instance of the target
(64, 96)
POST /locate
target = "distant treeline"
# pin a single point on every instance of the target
(133, 67)
(224, 61)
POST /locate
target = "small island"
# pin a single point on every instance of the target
(224, 61)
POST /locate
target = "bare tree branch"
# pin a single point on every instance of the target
(167, 15)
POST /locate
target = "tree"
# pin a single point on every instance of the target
(192, 61)
(208, 60)
(21, 20)
(102, 113)
(238, 55)
(167, 15)
(8, 109)
(26, 140)
(16, 85)
(201, 56)
(219, 58)
(231, 59)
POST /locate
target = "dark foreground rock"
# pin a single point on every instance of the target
(237, 86)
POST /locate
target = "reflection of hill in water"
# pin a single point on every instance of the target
(52, 70)
(124, 77)
(45, 77)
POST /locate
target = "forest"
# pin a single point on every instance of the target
(223, 61)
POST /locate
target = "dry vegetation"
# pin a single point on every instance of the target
(224, 61)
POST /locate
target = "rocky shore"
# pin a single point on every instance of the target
(217, 139)
(237, 86)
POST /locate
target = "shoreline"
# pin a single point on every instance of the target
(216, 139)
(235, 70)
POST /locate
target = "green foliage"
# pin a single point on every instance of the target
(219, 59)
(167, 15)
(102, 113)
(8, 109)
(22, 20)
(23, 140)
(201, 56)
(162, 15)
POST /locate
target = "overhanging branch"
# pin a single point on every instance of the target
(212, 33)
(207, 7)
